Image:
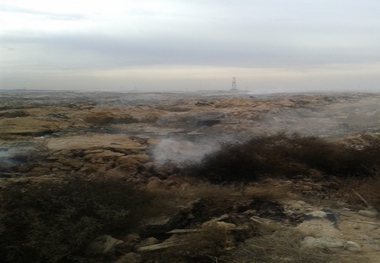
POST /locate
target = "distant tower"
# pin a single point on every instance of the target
(234, 88)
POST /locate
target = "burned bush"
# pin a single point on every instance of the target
(54, 222)
(284, 155)
(14, 114)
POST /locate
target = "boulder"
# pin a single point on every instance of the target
(103, 245)
(148, 242)
(368, 213)
(353, 246)
(323, 242)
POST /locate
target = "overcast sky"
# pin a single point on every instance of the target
(124, 45)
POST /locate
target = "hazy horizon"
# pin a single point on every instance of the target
(270, 46)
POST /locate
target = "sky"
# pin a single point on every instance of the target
(269, 46)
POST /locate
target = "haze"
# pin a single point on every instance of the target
(163, 45)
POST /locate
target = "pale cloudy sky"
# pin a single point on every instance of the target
(268, 45)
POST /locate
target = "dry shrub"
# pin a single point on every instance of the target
(214, 201)
(248, 161)
(14, 114)
(219, 198)
(320, 154)
(205, 246)
(268, 245)
(54, 222)
(283, 155)
(369, 191)
(268, 192)
(210, 242)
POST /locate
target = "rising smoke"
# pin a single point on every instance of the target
(175, 151)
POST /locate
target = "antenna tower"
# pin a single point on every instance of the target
(234, 88)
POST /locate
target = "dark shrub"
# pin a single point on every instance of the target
(282, 155)
(320, 154)
(14, 114)
(54, 222)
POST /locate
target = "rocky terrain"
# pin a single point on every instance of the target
(148, 140)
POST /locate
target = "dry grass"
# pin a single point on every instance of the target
(367, 192)
(268, 191)
(283, 246)
(219, 198)
(361, 192)
(268, 245)
(204, 246)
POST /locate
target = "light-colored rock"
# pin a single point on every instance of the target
(102, 245)
(173, 241)
(103, 155)
(324, 242)
(31, 126)
(160, 246)
(95, 141)
(224, 225)
(128, 160)
(130, 241)
(154, 183)
(133, 237)
(217, 223)
(307, 188)
(353, 246)
(316, 215)
(148, 242)
(368, 213)
(71, 162)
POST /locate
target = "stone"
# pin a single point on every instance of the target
(323, 242)
(368, 213)
(154, 183)
(353, 246)
(70, 162)
(128, 160)
(307, 188)
(219, 225)
(103, 245)
(315, 215)
(130, 241)
(91, 142)
(148, 242)
(160, 246)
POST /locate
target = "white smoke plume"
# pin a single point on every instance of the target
(169, 150)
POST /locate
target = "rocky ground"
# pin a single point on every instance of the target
(147, 138)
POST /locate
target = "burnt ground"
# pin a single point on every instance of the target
(148, 138)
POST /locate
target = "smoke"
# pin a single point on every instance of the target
(170, 150)
(328, 117)
(16, 155)
(186, 150)
(6, 154)
(6, 161)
